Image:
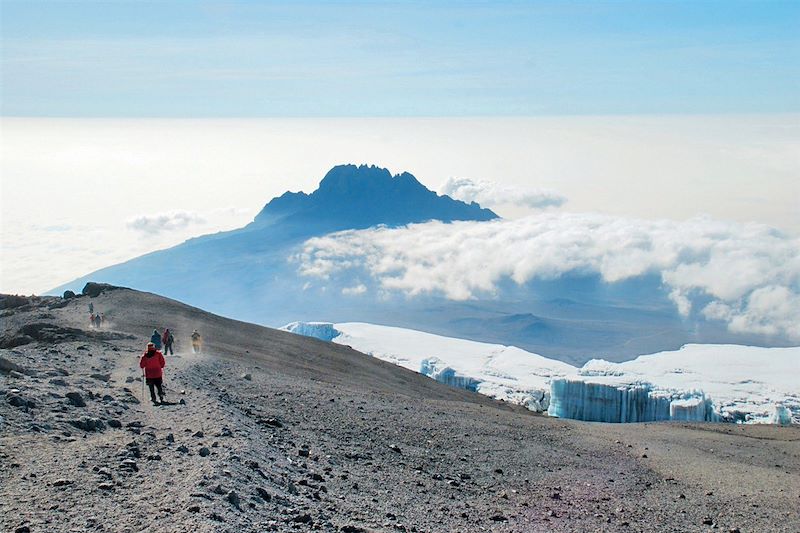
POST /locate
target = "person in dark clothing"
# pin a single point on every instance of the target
(155, 338)
(167, 339)
(152, 362)
(97, 320)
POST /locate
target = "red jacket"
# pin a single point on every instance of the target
(152, 364)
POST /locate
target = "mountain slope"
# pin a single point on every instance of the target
(282, 433)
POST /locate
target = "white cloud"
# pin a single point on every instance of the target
(354, 291)
(175, 220)
(750, 273)
(489, 193)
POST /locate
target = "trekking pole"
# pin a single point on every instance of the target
(143, 380)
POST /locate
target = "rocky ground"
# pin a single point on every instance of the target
(268, 431)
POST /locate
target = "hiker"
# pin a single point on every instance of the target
(91, 307)
(102, 318)
(197, 342)
(155, 338)
(167, 339)
(97, 320)
(152, 362)
(91, 320)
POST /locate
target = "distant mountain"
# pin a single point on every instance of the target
(252, 274)
(357, 197)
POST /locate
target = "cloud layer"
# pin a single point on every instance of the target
(175, 220)
(489, 193)
(747, 275)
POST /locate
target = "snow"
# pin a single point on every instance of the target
(502, 372)
(699, 382)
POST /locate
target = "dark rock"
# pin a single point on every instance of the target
(204, 452)
(68, 295)
(193, 509)
(88, 423)
(182, 449)
(106, 486)
(93, 290)
(62, 482)
(18, 401)
(317, 477)
(76, 399)
(707, 521)
(23, 529)
(198, 434)
(182, 402)
(216, 517)
(233, 499)
(302, 452)
(101, 377)
(58, 382)
(14, 341)
(263, 494)
(170, 437)
(352, 529)
(303, 519)
(114, 423)
(395, 448)
(248, 377)
(498, 518)
(7, 366)
(271, 422)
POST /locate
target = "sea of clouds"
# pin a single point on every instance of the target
(747, 275)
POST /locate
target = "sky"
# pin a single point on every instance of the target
(127, 127)
(250, 58)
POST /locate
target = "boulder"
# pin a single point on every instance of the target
(76, 399)
(7, 366)
(93, 290)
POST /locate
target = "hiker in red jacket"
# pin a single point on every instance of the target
(152, 362)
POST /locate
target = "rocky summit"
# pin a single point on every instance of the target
(270, 431)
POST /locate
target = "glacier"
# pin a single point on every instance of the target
(630, 402)
(699, 382)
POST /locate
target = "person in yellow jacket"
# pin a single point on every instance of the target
(197, 342)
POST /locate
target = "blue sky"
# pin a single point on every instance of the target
(317, 59)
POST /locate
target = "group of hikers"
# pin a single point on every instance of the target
(96, 319)
(152, 361)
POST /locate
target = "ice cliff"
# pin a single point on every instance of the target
(699, 382)
(319, 330)
(633, 402)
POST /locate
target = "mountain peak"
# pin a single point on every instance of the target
(355, 197)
